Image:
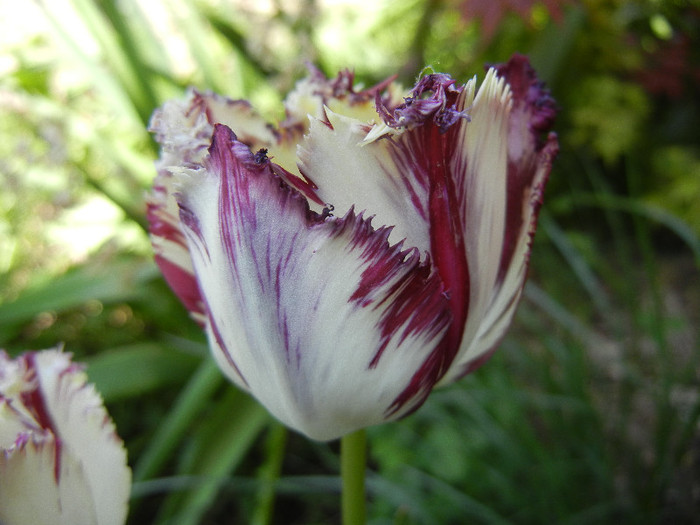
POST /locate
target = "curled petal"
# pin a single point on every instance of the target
(306, 311)
(65, 464)
(435, 97)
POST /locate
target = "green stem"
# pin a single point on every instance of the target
(352, 467)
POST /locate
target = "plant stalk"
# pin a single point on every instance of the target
(353, 455)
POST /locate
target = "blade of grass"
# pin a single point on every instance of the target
(666, 426)
(116, 378)
(269, 474)
(561, 315)
(470, 508)
(218, 445)
(237, 40)
(141, 83)
(576, 261)
(554, 46)
(194, 397)
(108, 84)
(206, 51)
(121, 281)
(124, 66)
(608, 201)
(131, 211)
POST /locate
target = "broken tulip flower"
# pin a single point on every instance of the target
(372, 246)
(61, 462)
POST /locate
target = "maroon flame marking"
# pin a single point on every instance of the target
(430, 152)
(183, 283)
(414, 302)
(35, 402)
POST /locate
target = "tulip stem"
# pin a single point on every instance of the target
(352, 467)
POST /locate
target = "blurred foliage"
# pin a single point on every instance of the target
(588, 414)
(609, 116)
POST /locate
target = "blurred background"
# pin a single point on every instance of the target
(589, 411)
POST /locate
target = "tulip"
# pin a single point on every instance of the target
(370, 247)
(61, 462)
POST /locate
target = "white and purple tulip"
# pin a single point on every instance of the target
(372, 246)
(61, 462)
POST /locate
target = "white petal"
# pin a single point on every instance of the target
(29, 494)
(366, 176)
(184, 128)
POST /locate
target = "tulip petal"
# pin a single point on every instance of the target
(29, 493)
(184, 129)
(531, 148)
(349, 173)
(67, 454)
(312, 95)
(319, 317)
(438, 180)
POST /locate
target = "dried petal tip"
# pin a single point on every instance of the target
(434, 96)
(61, 461)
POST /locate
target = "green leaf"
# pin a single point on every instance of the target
(193, 398)
(138, 369)
(117, 281)
(218, 445)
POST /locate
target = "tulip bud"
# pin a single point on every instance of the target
(61, 462)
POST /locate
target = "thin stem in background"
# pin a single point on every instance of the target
(269, 474)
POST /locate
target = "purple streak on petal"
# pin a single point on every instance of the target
(191, 221)
(220, 341)
(306, 187)
(159, 226)
(238, 219)
(416, 303)
(22, 439)
(35, 402)
(165, 225)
